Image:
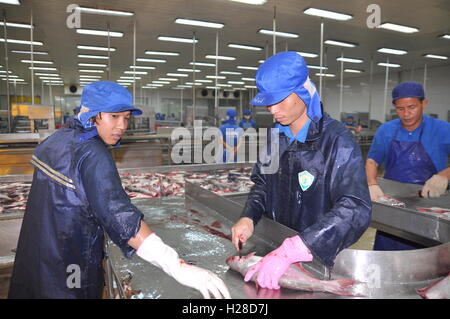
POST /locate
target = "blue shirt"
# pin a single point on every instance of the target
(300, 136)
(435, 140)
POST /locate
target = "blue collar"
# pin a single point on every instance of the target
(301, 135)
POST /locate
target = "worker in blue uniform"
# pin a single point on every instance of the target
(231, 135)
(413, 149)
(76, 196)
(319, 188)
(351, 125)
(247, 121)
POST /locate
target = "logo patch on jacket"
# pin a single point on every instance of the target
(305, 179)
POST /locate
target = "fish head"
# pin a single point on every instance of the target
(244, 262)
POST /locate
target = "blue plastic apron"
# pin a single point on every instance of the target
(407, 162)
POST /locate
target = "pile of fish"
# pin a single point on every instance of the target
(13, 196)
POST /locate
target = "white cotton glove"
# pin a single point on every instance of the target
(375, 192)
(435, 186)
(165, 257)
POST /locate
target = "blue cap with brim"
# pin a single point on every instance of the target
(283, 74)
(408, 89)
(231, 113)
(104, 96)
(247, 112)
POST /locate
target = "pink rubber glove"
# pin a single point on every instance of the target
(274, 265)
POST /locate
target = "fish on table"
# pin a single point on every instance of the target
(297, 277)
(439, 289)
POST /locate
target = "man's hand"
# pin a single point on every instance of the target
(375, 192)
(241, 231)
(435, 186)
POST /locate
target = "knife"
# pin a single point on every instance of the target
(240, 248)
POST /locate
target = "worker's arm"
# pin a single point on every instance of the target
(143, 233)
(371, 173)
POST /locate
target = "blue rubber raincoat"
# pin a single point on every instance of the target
(75, 196)
(333, 208)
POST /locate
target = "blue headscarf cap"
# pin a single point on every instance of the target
(408, 89)
(283, 74)
(247, 112)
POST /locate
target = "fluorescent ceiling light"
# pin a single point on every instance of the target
(353, 71)
(220, 57)
(45, 74)
(243, 67)
(213, 87)
(130, 78)
(41, 68)
(250, 86)
(91, 56)
(151, 60)
(308, 55)
(328, 75)
(154, 85)
(341, 43)
(141, 67)
(350, 60)
(176, 39)
(255, 2)
(125, 81)
(29, 52)
(398, 27)
(136, 72)
(317, 67)
(15, 2)
(391, 65)
(248, 79)
(91, 71)
(204, 81)
(49, 78)
(261, 61)
(188, 70)
(83, 76)
(113, 34)
(225, 85)
(434, 56)
(13, 80)
(105, 12)
(37, 62)
(328, 14)
(21, 41)
(180, 75)
(202, 64)
(191, 83)
(162, 53)
(93, 64)
(16, 25)
(168, 79)
(184, 86)
(219, 77)
(200, 23)
(245, 47)
(161, 82)
(236, 82)
(445, 36)
(95, 48)
(8, 76)
(392, 51)
(231, 72)
(278, 33)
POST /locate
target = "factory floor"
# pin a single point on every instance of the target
(17, 161)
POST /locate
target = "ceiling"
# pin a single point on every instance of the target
(242, 22)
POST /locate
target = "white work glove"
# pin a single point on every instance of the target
(435, 186)
(165, 257)
(375, 192)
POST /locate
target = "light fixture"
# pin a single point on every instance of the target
(392, 51)
(391, 65)
(188, 70)
(176, 39)
(36, 62)
(434, 56)
(317, 67)
(213, 87)
(91, 71)
(250, 86)
(236, 82)
(328, 75)
(162, 53)
(113, 34)
(184, 86)
(231, 72)
(200, 23)
(261, 61)
(245, 47)
(29, 52)
(105, 12)
(248, 79)
(278, 33)
(224, 85)
(308, 55)
(398, 27)
(21, 41)
(219, 77)
(136, 72)
(93, 64)
(202, 64)
(445, 36)
(341, 43)
(49, 78)
(243, 67)
(130, 78)
(46, 74)
(141, 67)
(204, 81)
(16, 25)
(349, 60)
(353, 71)
(328, 14)
(192, 83)
(151, 60)
(161, 82)
(83, 76)
(254, 2)
(180, 75)
(15, 2)
(95, 48)
(41, 68)
(168, 79)
(91, 56)
(220, 57)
